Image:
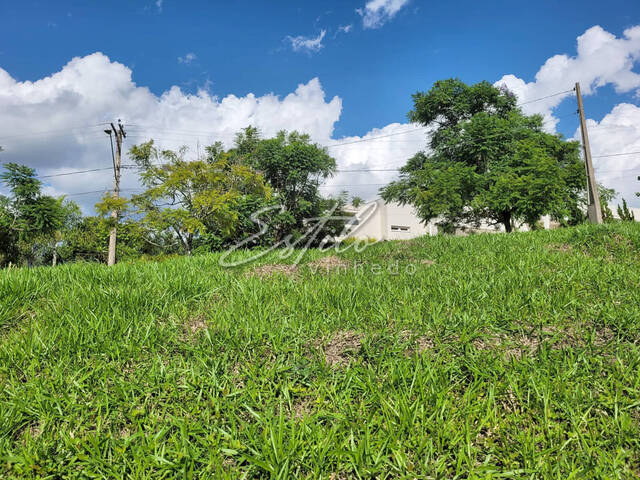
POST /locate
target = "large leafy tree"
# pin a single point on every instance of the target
(487, 161)
(28, 218)
(88, 240)
(295, 167)
(193, 199)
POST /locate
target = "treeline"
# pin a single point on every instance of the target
(260, 192)
(486, 161)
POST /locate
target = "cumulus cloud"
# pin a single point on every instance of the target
(601, 59)
(188, 58)
(381, 151)
(307, 44)
(618, 132)
(56, 124)
(378, 12)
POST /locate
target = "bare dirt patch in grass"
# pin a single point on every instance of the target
(509, 402)
(418, 344)
(329, 263)
(301, 408)
(573, 336)
(194, 325)
(341, 347)
(426, 261)
(513, 346)
(35, 430)
(272, 269)
(559, 247)
(520, 345)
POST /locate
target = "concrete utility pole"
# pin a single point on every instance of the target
(593, 197)
(120, 135)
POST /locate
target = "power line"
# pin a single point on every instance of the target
(133, 166)
(616, 154)
(104, 190)
(352, 185)
(53, 131)
(76, 172)
(544, 98)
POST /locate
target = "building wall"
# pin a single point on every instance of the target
(389, 221)
(392, 221)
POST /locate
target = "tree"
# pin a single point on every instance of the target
(8, 240)
(356, 201)
(624, 213)
(487, 161)
(193, 199)
(294, 167)
(607, 195)
(30, 218)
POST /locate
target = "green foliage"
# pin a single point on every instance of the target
(184, 369)
(357, 201)
(607, 195)
(29, 218)
(88, 241)
(487, 161)
(193, 199)
(294, 167)
(624, 213)
(110, 204)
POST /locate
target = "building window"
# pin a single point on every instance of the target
(399, 228)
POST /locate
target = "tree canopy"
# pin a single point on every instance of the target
(28, 218)
(487, 161)
(196, 198)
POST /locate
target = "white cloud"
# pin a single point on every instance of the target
(188, 58)
(307, 44)
(159, 5)
(617, 132)
(386, 148)
(69, 106)
(601, 59)
(345, 28)
(378, 12)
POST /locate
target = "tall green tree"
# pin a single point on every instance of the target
(295, 167)
(29, 217)
(193, 199)
(486, 161)
(607, 195)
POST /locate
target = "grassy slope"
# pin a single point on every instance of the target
(505, 355)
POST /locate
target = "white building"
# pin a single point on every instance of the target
(391, 221)
(388, 221)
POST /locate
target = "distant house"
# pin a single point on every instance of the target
(387, 221)
(391, 221)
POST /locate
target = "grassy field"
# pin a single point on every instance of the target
(490, 356)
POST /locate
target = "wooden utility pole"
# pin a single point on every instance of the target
(120, 135)
(593, 197)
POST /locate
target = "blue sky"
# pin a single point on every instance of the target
(247, 47)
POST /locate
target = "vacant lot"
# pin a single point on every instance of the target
(481, 357)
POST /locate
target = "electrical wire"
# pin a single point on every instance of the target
(62, 130)
(544, 98)
(75, 172)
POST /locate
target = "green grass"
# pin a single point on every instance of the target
(511, 356)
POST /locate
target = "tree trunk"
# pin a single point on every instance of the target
(505, 218)
(54, 262)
